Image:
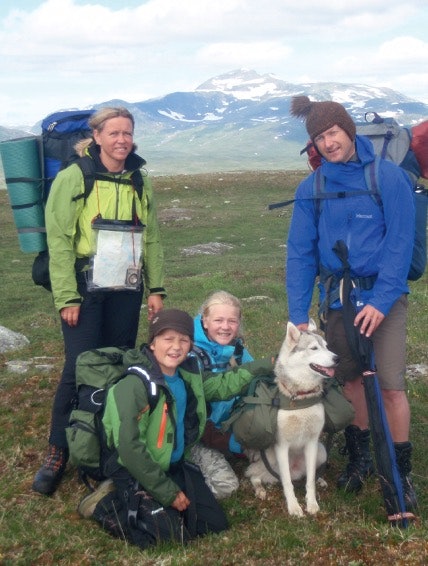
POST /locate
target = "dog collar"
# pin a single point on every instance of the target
(299, 400)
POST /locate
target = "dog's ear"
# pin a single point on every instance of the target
(293, 335)
(312, 327)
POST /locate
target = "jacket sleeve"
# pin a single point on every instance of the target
(61, 216)
(221, 386)
(153, 255)
(399, 217)
(125, 421)
(302, 254)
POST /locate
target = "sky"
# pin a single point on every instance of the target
(60, 54)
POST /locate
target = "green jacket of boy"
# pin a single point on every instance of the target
(144, 438)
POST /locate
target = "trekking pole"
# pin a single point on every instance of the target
(362, 350)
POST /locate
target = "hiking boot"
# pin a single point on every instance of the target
(49, 475)
(403, 453)
(87, 505)
(360, 465)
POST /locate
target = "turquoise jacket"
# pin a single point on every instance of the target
(220, 360)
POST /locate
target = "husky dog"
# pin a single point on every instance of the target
(302, 365)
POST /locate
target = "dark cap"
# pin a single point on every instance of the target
(171, 319)
(321, 116)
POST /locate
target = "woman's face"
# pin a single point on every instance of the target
(170, 349)
(222, 323)
(116, 141)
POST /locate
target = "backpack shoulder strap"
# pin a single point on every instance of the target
(203, 357)
(151, 386)
(87, 166)
(138, 182)
(371, 175)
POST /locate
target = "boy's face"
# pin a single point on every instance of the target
(170, 349)
(335, 145)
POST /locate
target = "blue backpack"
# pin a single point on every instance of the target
(60, 133)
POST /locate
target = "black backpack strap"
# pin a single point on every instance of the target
(239, 351)
(203, 357)
(320, 194)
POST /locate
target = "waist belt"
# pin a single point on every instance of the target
(332, 290)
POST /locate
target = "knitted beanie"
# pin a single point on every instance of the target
(320, 116)
(171, 319)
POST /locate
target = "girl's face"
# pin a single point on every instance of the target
(170, 349)
(222, 323)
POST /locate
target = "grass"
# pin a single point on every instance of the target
(226, 209)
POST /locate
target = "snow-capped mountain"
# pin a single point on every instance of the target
(241, 120)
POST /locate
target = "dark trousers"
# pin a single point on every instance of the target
(131, 512)
(204, 514)
(106, 319)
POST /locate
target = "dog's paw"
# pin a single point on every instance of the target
(261, 493)
(312, 508)
(322, 483)
(294, 509)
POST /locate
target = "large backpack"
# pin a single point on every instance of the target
(253, 419)
(61, 131)
(96, 371)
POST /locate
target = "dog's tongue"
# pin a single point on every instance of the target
(325, 371)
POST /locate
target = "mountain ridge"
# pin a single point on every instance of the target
(241, 120)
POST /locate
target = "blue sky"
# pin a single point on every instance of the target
(57, 54)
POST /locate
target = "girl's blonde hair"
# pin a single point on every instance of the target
(97, 122)
(222, 298)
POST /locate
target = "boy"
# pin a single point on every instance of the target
(159, 495)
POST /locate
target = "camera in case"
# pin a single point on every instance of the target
(133, 277)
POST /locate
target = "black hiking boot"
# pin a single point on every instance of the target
(360, 465)
(49, 475)
(403, 453)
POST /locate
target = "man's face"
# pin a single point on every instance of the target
(335, 145)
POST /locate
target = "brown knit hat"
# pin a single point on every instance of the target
(171, 319)
(320, 116)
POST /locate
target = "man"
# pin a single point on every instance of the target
(379, 241)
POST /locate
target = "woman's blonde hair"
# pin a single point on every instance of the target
(97, 122)
(222, 298)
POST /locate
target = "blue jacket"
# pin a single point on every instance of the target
(219, 357)
(379, 239)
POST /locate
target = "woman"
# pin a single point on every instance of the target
(95, 310)
(157, 493)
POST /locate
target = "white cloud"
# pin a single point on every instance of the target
(62, 53)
